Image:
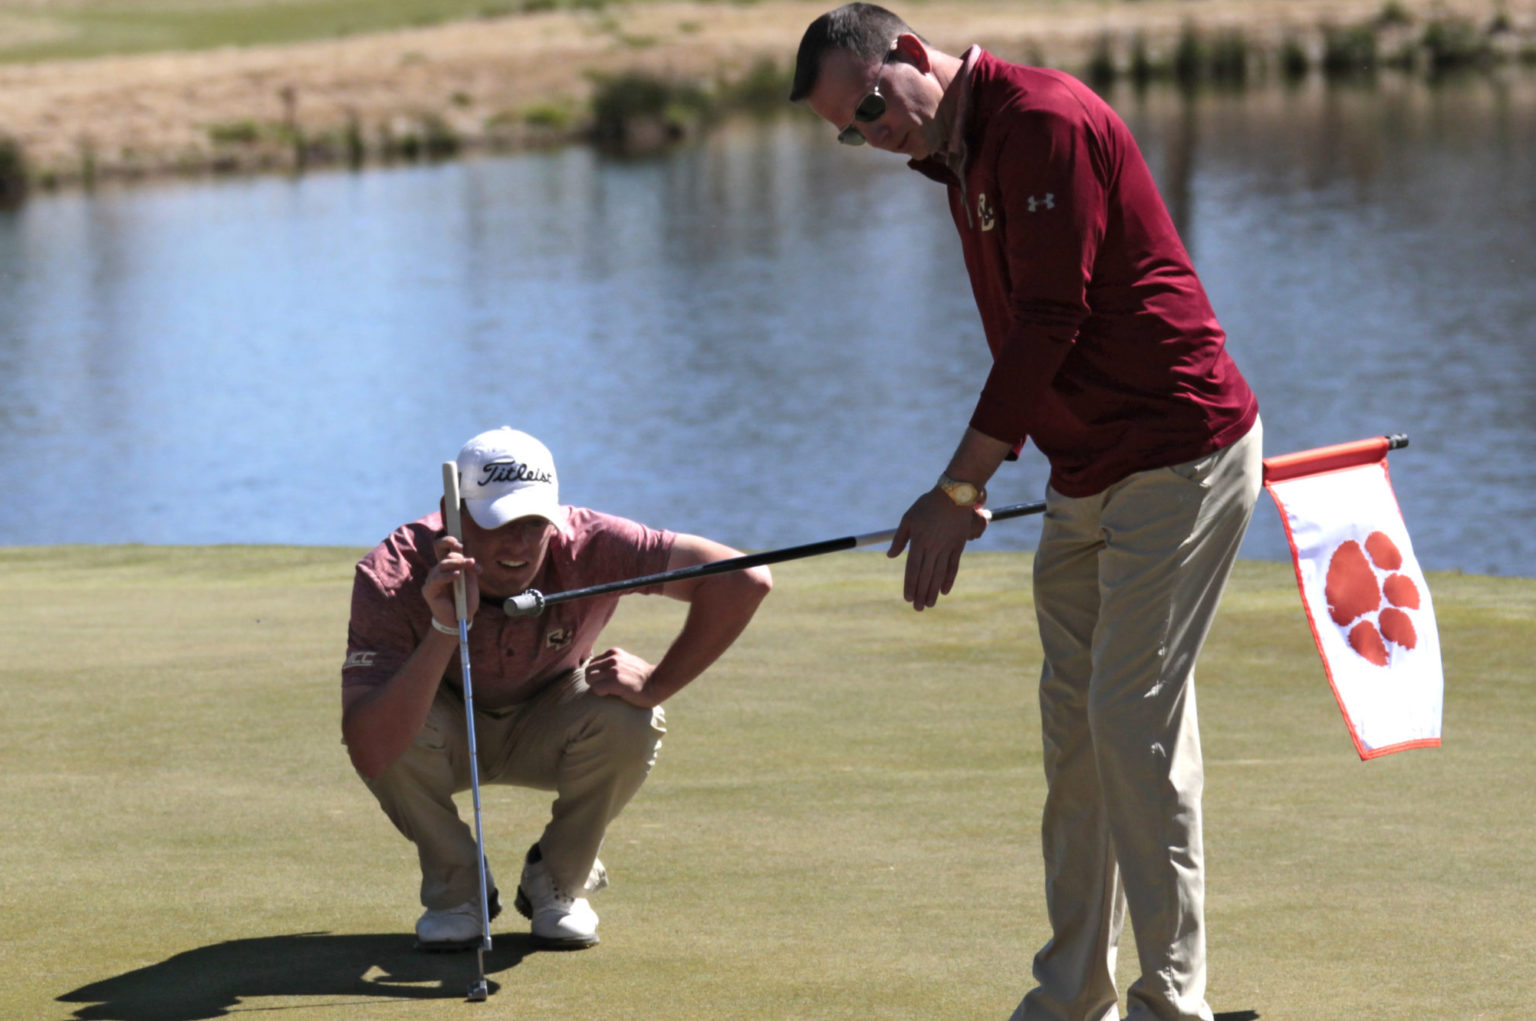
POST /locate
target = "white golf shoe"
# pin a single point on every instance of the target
(561, 920)
(453, 928)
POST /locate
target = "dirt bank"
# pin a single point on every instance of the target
(494, 82)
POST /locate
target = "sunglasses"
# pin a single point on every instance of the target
(870, 109)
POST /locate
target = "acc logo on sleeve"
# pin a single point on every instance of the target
(359, 659)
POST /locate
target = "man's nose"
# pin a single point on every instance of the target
(512, 545)
(521, 539)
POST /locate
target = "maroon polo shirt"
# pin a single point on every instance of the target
(511, 658)
(1106, 352)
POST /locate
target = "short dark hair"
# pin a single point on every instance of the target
(864, 30)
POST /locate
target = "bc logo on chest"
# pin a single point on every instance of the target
(986, 215)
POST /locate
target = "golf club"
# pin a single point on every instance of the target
(533, 602)
(478, 990)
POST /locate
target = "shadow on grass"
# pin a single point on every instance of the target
(209, 981)
(213, 981)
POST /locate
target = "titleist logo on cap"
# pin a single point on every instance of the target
(512, 471)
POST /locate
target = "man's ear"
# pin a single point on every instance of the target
(909, 49)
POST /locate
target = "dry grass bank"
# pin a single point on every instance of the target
(509, 80)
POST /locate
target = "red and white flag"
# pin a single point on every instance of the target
(1364, 594)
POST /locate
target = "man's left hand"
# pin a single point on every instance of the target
(938, 530)
(623, 675)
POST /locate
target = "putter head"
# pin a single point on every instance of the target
(529, 604)
(478, 991)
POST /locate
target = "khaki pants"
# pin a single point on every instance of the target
(593, 751)
(1126, 586)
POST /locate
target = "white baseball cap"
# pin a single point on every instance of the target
(504, 475)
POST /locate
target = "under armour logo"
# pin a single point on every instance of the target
(558, 638)
(1049, 202)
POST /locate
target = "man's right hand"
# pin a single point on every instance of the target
(437, 590)
(937, 530)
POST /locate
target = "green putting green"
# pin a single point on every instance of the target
(842, 824)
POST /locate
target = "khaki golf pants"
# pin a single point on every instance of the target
(1126, 585)
(593, 751)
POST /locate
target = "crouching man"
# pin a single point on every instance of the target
(549, 714)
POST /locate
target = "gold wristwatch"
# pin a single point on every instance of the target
(965, 494)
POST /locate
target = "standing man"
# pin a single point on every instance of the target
(1106, 353)
(548, 713)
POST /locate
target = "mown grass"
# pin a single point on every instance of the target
(1394, 37)
(842, 823)
(92, 28)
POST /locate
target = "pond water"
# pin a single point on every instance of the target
(763, 337)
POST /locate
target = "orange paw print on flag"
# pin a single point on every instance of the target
(1354, 593)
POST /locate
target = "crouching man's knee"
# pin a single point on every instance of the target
(632, 732)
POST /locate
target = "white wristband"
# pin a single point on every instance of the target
(445, 629)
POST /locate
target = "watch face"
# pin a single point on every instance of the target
(963, 493)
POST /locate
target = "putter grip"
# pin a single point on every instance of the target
(528, 604)
(455, 528)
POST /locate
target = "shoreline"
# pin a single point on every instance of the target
(523, 80)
